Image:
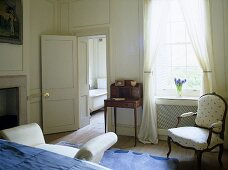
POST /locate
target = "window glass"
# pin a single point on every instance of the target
(176, 57)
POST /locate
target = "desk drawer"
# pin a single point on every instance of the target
(119, 104)
(127, 105)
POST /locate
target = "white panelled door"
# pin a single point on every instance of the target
(59, 83)
(83, 79)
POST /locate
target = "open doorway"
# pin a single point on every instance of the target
(92, 79)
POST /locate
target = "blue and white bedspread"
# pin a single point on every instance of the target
(19, 157)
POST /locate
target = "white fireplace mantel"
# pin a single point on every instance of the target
(20, 82)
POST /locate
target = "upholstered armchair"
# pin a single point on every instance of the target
(31, 135)
(208, 132)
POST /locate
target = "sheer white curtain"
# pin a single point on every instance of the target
(155, 17)
(197, 17)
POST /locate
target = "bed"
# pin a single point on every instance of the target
(97, 96)
(19, 157)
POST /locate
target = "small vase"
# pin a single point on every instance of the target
(179, 90)
(133, 83)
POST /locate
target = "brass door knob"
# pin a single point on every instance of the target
(46, 94)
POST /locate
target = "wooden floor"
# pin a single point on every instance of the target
(186, 157)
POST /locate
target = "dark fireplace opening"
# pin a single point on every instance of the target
(9, 107)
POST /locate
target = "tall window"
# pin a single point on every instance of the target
(176, 57)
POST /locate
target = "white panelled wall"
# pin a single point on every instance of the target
(124, 19)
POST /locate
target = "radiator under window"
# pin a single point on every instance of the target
(169, 110)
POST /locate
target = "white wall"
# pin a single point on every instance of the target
(124, 19)
(125, 39)
(14, 58)
(124, 22)
(43, 20)
(39, 17)
(219, 25)
(219, 13)
(225, 14)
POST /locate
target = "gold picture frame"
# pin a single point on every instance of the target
(11, 21)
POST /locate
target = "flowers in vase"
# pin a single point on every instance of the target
(179, 83)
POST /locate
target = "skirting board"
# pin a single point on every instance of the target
(125, 130)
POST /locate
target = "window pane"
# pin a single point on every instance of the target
(176, 14)
(164, 56)
(191, 57)
(178, 32)
(178, 55)
(179, 72)
(188, 40)
(163, 77)
(168, 33)
(194, 75)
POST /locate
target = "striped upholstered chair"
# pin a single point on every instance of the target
(208, 132)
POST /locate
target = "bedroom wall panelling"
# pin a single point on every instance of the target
(44, 22)
(125, 51)
(124, 19)
(218, 37)
(84, 13)
(219, 13)
(225, 8)
(14, 58)
(63, 16)
(11, 58)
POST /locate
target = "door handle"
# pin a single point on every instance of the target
(46, 94)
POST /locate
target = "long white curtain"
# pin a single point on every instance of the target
(155, 17)
(197, 17)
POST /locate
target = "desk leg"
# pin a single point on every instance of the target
(115, 118)
(135, 116)
(105, 112)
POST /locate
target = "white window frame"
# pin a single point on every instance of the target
(172, 91)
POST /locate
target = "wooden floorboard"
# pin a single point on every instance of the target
(186, 157)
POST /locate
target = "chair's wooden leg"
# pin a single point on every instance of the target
(220, 155)
(199, 158)
(169, 144)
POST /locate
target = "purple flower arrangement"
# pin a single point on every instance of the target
(179, 83)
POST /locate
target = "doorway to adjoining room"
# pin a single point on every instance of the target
(97, 78)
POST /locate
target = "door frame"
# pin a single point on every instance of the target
(93, 32)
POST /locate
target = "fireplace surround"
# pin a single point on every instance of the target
(20, 82)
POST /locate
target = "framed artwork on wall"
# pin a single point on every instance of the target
(11, 21)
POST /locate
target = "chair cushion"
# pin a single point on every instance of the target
(193, 137)
(211, 109)
(59, 149)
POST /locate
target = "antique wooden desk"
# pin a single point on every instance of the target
(124, 97)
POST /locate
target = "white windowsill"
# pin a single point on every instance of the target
(175, 100)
